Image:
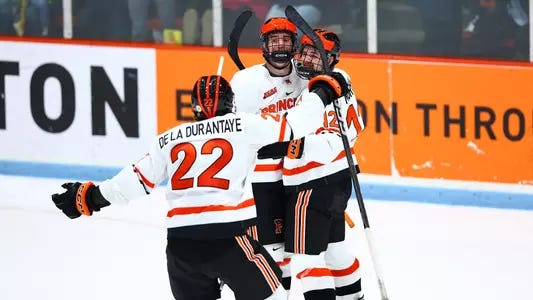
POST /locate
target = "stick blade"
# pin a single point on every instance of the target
(235, 36)
(292, 14)
(239, 24)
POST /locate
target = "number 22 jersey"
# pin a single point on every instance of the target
(207, 164)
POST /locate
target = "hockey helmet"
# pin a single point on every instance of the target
(211, 96)
(275, 25)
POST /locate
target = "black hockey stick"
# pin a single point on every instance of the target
(299, 21)
(235, 36)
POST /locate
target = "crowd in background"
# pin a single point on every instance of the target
(452, 28)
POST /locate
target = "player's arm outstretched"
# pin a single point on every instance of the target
(131, 182)
(139, 179)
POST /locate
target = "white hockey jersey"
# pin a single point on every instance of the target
(324, 152)
(257, 91)
(207, 165)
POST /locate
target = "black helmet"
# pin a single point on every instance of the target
(211, 96)
(332, 46)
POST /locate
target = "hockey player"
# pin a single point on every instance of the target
(271, 87)
(318, 188)
(207, 164)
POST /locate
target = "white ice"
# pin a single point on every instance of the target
(427, 251)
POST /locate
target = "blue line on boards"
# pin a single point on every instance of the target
(435, 194)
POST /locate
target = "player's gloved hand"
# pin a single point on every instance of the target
(291, 149)
(79, 199)
(329, 87)
(345, 85)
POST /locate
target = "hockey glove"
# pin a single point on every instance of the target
(79, 199)
(329, 87)
(291, 149)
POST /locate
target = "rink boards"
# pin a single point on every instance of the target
(85, 109)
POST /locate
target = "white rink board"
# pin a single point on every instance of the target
(427, 251)
(24, 140)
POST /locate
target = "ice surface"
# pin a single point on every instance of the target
(427, 251)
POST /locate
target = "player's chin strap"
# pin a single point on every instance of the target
(273, 65)
(278, 56)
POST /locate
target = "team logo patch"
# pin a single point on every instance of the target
(270, 93)
(278, 226)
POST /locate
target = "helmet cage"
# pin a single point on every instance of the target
(309, 66)
(308, 62)
(276, 25)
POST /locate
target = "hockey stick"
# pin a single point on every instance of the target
(220, 65)
(298, 20)
(235, 36)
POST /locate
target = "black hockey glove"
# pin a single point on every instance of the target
(345, 85)
(291, 149)
(329, 87)
(79, 199)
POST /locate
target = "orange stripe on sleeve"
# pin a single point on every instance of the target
(312, 165)
(145, 180)
(268, 167)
